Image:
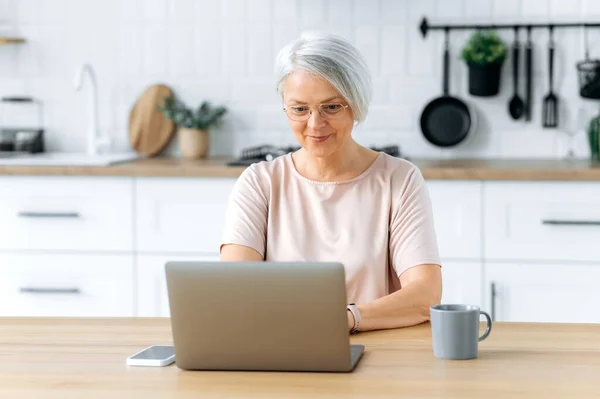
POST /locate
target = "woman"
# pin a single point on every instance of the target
(335, 200)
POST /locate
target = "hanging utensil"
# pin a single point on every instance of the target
(446, 120)
(516, 107)
(528, 74)
(550, 106)
(589, 73)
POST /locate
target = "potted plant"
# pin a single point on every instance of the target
(192, 126)
(484, 54)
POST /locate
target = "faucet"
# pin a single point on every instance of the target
(93, 138)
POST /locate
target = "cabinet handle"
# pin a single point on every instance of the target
(41, 290)
(65, 215)
(572, 222)
(493, 300)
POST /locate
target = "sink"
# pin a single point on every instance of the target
(67, 159)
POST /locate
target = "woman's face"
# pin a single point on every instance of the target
(320, 136)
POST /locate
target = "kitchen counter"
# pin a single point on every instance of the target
(455, 169)
(85, 358)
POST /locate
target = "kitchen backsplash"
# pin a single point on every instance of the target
(223, 51)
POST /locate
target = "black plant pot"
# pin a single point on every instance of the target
(484, 80)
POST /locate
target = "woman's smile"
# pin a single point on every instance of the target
(319, 139)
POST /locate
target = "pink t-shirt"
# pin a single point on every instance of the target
(377, 224)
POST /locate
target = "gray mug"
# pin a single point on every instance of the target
(455, 330)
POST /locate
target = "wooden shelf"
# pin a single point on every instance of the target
(11, 40)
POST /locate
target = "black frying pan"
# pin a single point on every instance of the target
(446, 120)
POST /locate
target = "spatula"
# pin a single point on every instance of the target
(550, 106)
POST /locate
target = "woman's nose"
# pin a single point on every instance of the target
(316, 121)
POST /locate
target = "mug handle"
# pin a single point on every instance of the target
(489, 325)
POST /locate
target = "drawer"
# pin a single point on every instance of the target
(543, 292)
(181, 215)
(542, 220)
(457, 215)
(55, 285)
(66, 213)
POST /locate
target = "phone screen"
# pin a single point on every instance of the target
(156, 352)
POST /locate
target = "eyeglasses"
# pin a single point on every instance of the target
(329, 111)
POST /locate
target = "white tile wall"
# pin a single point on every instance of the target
(223, 51)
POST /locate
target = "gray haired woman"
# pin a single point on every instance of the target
(335, 200)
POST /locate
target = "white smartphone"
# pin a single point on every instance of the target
(155, 355)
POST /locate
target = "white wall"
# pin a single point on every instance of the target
(223, 51)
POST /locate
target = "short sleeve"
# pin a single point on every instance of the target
(413, 239)
(246, 216)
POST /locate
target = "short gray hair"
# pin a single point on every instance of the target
(332, 58)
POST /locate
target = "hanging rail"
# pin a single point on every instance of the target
(424, 27)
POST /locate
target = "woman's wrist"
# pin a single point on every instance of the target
(355, 326)
(351, 320)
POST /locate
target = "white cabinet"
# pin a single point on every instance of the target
(462, 282)
(42, 284)
(66, 213)
(182, 215)
(543, 292)
(152, 297)
(542, 221)
(457, 215)
(97, 246)
(66, 246)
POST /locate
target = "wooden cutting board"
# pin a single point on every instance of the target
(149, 131)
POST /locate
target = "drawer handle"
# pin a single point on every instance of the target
(572, 222)
(40, 290)
(65, 215)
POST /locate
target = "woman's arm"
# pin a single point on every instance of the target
(421, 289)
(412, 242)
(244, 232)
(239, 253)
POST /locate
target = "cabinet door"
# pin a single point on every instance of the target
(51, 285)
(543, 292)
(462, 282)
(153, 300)
(181, 215)
(457, 216)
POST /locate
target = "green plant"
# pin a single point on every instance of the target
(483, 48)
(202, 118)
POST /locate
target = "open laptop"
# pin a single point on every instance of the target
(260, 316)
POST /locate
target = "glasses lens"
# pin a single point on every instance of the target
(327, 111)
(332, 111)
(298, 113)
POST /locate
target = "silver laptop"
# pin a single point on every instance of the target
(260, 316)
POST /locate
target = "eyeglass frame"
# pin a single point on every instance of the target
(310, 108)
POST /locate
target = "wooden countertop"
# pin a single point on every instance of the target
(432, 169)
(85, 358)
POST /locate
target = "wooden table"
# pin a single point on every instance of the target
(85, 358)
